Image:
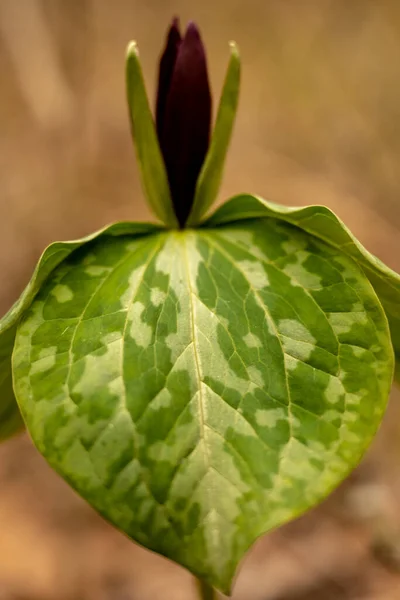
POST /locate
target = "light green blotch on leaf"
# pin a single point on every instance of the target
(178, 345)
(111, 337)
(218, 415)
(297, 462)
(208, 345)
(172, 259)
(192, 257)
(296, 339)
(162, 400)
(254, 273)
(296, 330)
(163, 452)
(269, 418)
(169, 450)
(358, 352)
(350, 417)
(135, 279)
(319, 449)
(343, 322)
(116, 387)
(295, 245)
(220, 530)
(179, 341)
(139, 331)
(76, 463)
(357, 307)
(45, 361)
(356, 398)
(106, 365)
(256, 376)
(97, 270)
(62, 293)
(333, 415)
(290, 363)
(252, 341)
(223, 461)
(349, 436)
(89, 259)
(300, 350)
(218, 485)
(163, 260)
(299, 273)
(157, 296)
(244, 238)
(334, 391)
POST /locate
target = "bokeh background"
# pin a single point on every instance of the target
(319, 122)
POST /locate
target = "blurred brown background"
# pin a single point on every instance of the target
(319, 123)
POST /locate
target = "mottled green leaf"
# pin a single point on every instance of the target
(325, 225)
(151, 163)
(10, 418)
(10, 421)
(211, 174)
(199, 388)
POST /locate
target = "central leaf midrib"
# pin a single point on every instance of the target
(195, 352)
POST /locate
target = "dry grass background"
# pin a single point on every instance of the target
(319, 122)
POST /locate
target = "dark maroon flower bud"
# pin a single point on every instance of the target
(167, 64)
(183, 114)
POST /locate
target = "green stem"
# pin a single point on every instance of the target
(206, 591)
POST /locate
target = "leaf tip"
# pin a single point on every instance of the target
(234, 48)
(132, 50)
(235, 61)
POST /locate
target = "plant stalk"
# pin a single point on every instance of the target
(206, 591)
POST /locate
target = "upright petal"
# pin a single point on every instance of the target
(167, 65)
(185, 134)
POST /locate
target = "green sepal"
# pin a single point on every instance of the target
(210, 176)
(151, 163)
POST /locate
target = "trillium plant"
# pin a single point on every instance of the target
(202, 380)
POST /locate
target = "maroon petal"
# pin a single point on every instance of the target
(185, 135)
(167, 64)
